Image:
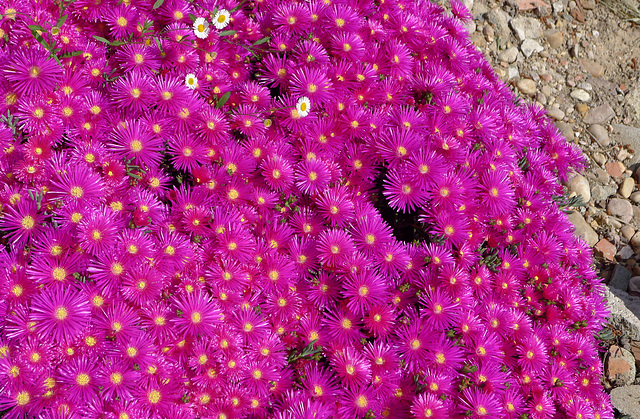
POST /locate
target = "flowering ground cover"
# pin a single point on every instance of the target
(324, 209)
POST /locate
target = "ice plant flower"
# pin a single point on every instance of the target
(325, 210)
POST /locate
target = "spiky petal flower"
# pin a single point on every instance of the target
(31, 72)
(61, 313)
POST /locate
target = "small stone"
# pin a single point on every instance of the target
(635, 241)
(581, 95)
(600, 134)
(615, 168)
(627, 231)
(526, 28)
(580, 185)
(566, 130)
(499, 19)
(625, 253)
(558, 7)
(593, 68)
(635, 197)
(509, 55)
(620, 277)
(622, 155)
(601, 193)
(529, 47)
(526, 86)
(588, 4)
(599, 114)
(626, 187)
(602, 176)
(634, 286)
(488, 32)
(630, 136)
(599, 158)
(554, 37)
(582, 229)
(582, 108)
(620, 208)
(620, 366)
(605, 249)
(555, 113)
(514, 73)
(626, 400)
(625, 310)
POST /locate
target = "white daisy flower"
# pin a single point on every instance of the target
(191, 81)
(303, 106)
(201, 28)
(221, 19)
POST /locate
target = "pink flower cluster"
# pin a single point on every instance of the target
(280, 209)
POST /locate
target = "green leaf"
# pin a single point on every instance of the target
(101, 39)
(238, 6)
(223, 100)
(61, 21)
(157, 4)
(158, 43)
(227, 33)
(71, 54)
(192, 17)
(262, 41)
(36, 28)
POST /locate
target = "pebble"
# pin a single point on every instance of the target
(635, 197)
(555, 113)
(488, 32)
(626, 187)
(599, 158)
(599, 114)
(514, 73)
(615, 168)
(509, 55)
(566, 130)
(620, 278)
(630, 136)
(627, 232)
(582, 108)
(620, 366)
(620, 208)
(605, 249)
(526, 86)
(526, 28)
(625, 254)
(582, 229)
(580, 185)
(529, 47)
(593, 68)
(635, 241)
(622, 155)
(600, 134)
(602, 176)
(554, 37)
(634, 286)
(626, 400)
(581, 95)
